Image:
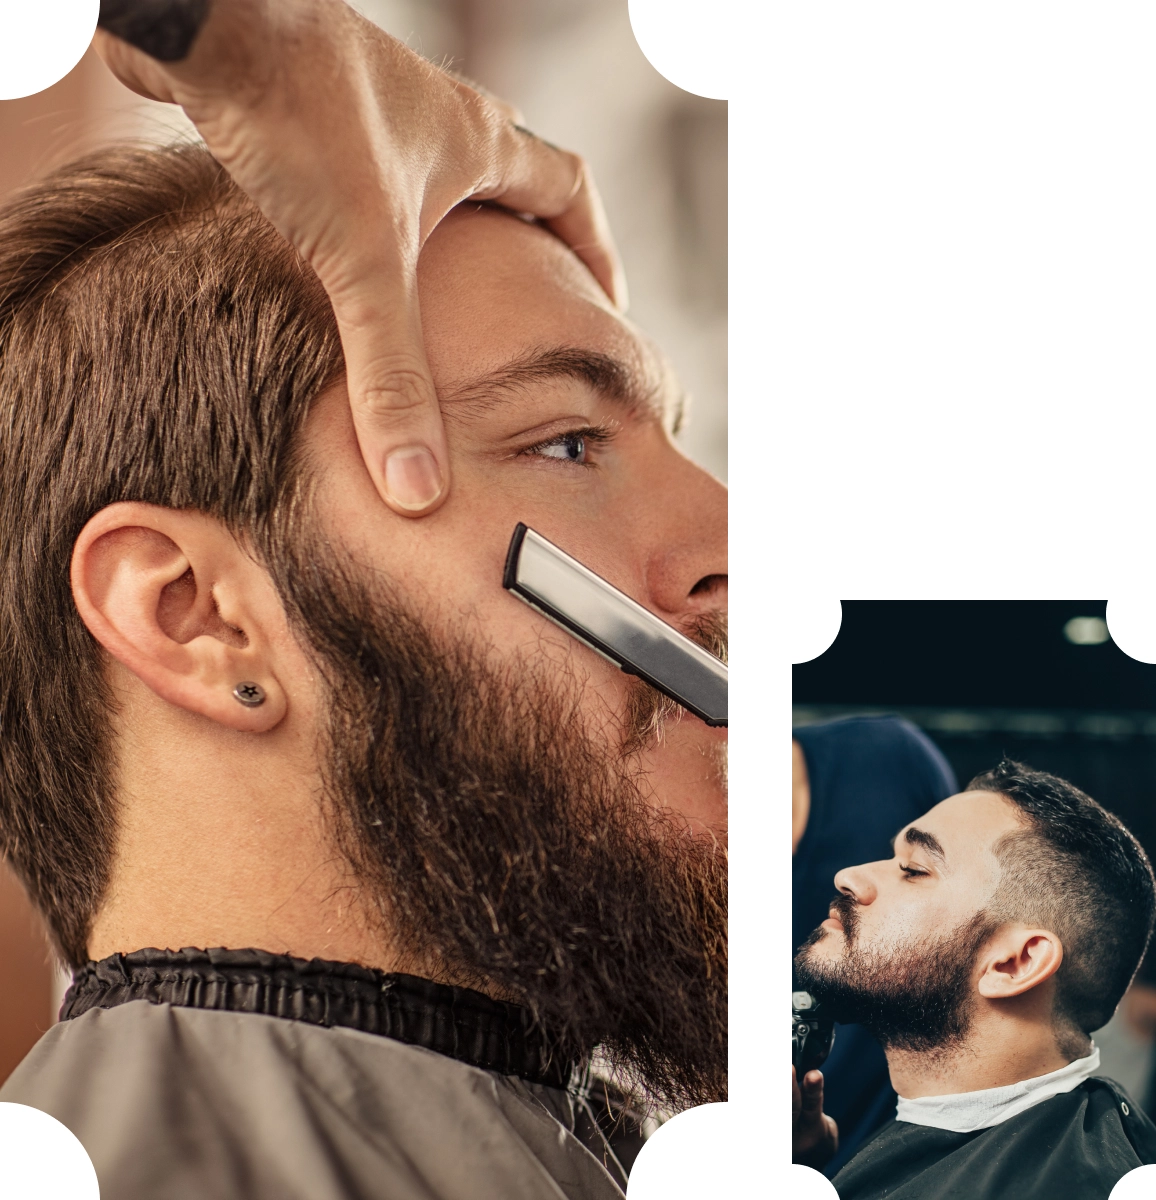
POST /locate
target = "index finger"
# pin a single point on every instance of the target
(558, 188)
(812, 1094)
(391, 392)
(584, 228)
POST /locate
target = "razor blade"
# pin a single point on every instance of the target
(610, 623)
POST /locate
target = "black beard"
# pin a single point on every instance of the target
(911, 996)
(510, 851)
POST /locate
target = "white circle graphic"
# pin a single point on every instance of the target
(730, 49)
(692, 1156)
(1138, 1184)
(790, 611)
(41, 41)
(42, 1157)
(1132, 624)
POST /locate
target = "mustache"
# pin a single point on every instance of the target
(846, 908)
(649, 710)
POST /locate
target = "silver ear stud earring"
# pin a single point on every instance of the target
(251, 695)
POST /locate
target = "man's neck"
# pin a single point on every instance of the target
(997, 1052)
(222, 842)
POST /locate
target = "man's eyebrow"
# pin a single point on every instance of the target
(609, 377)
(920, 837)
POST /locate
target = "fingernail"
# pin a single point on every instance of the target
(412, 478)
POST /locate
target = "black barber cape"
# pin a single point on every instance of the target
(241, 1075)
(1075, 1146)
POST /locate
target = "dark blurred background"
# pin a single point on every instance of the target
(1040, 681)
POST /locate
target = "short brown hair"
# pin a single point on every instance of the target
(159, 342)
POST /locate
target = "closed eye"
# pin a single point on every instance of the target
(912, 872)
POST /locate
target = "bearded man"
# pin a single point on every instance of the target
(356, 858)
(1003, 932)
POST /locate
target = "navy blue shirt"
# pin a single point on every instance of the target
(869, 776)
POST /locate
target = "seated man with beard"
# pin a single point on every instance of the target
(1004, 931)
(357, 859)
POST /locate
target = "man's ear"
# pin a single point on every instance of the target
(1018, 959)
(172, 596)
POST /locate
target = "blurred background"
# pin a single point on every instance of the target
(574, 69)
(1038, 681)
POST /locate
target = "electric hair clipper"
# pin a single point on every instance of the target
(618, 628)
(812, 1035)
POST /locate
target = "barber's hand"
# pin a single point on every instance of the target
(815, 1136)
(355, 148)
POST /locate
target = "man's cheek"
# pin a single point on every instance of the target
(685, 768)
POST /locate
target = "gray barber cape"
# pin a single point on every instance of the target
(202, 1095)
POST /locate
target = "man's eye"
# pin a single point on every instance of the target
(574, 447)
(571, 447)
(912, 872)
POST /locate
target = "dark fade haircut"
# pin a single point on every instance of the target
(159, 342)
(1076, 870)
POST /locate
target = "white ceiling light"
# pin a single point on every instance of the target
(1087, 631)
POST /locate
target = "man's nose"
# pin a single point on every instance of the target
(686, 574)
(857, 883)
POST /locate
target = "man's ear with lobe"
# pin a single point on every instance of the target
(172, 596)
(1017, 959)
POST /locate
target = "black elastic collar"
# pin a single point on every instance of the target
(454, 1021)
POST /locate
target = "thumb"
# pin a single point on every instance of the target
(392, 397)
(812, 1105)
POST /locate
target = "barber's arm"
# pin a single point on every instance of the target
(355, 148)
(815, 1136)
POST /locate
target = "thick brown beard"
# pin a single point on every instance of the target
(507, 846)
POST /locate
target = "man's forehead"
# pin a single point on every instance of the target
(961, 824)
(506, 305)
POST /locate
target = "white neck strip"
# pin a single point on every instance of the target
(969, 1111)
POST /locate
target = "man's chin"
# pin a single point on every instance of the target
(820, 955)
